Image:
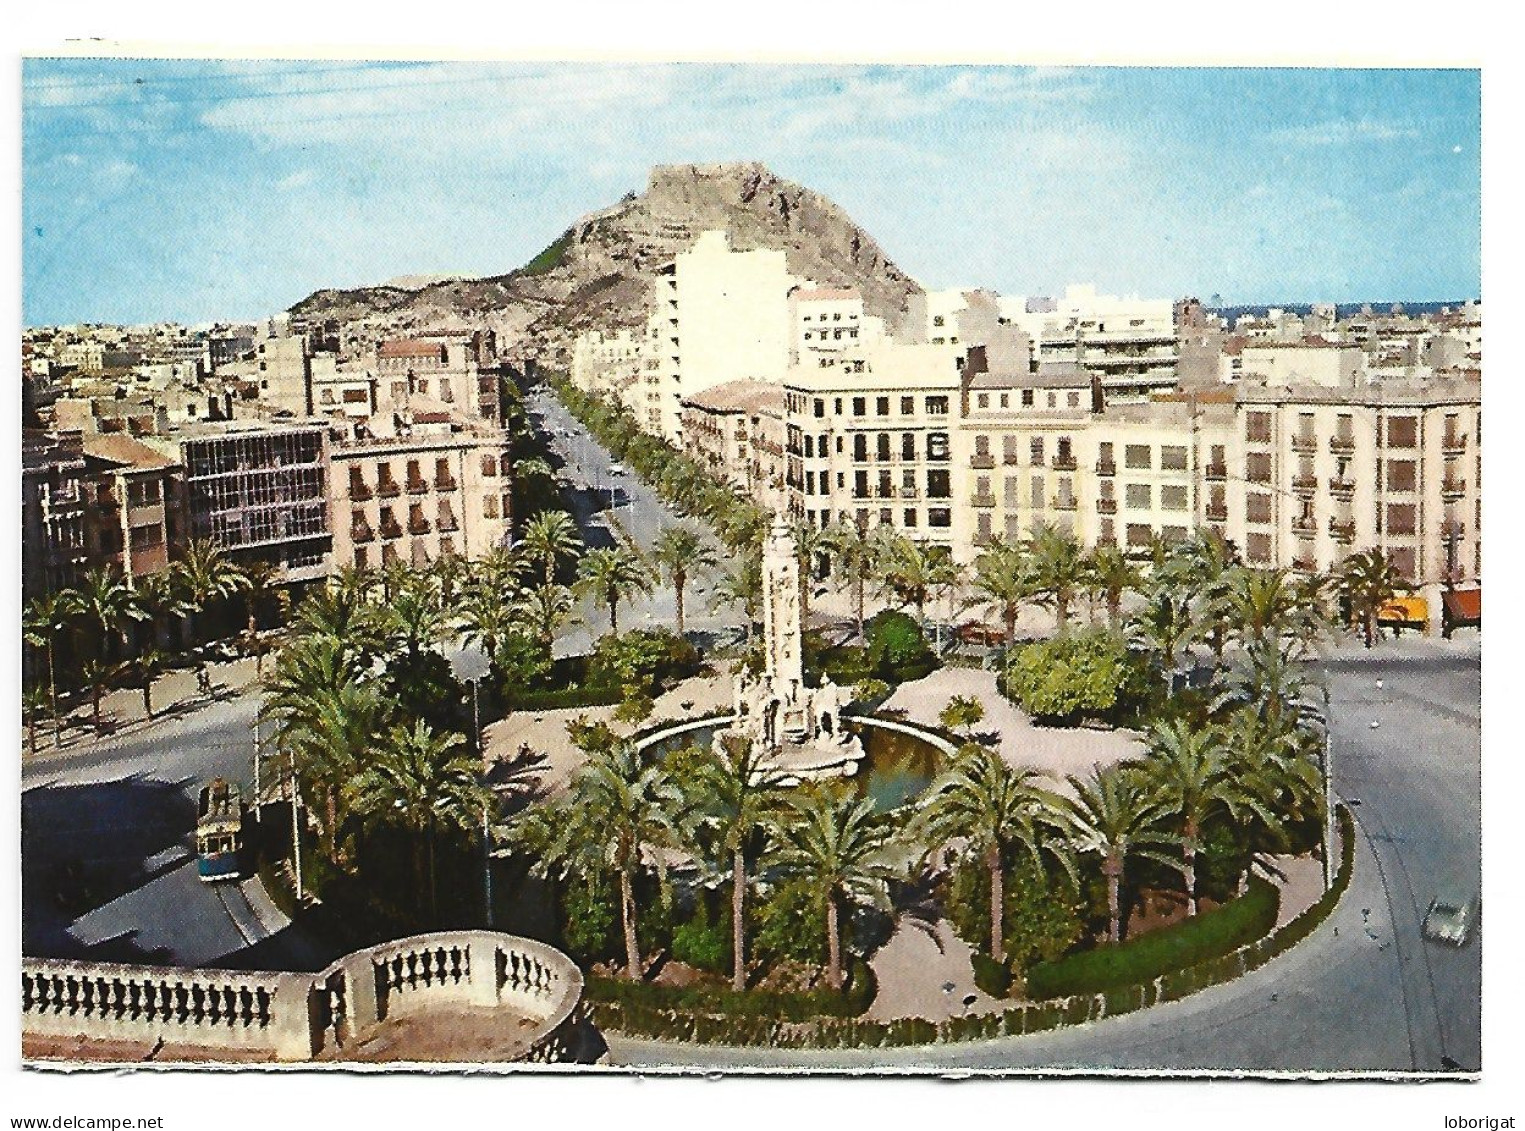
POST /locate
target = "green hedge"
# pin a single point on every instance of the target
(567, 697)
(992, 977)
(1197, 939)
(653, 1002)
(1028, 1017)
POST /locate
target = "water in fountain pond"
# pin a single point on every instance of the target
(896, 768)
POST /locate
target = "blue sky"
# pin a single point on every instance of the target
(194, 190)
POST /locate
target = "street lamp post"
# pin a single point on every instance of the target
(471, 666)
(1326, 752)
(256, 773)
(296, 829)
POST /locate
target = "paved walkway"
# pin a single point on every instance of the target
(1054, 751)
(924, 971)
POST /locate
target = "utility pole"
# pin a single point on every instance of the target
(476, 738)
(296, 830)
(1326, 754)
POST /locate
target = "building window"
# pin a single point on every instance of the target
(1027, 398)
(982, 400)
(908, 446)
(1404, 561)
(1173, 498)
(937, 406)
(860, 406)
(886, 517)
(883, 446)
(1257, 507)
(1400, 518)
(1402, 431)
(1257, 427)
(490, 506)
(939, 484)
(1172, 458)
(1257, 467)
(910, 518)
(489, 466)
(940, 517)
(820, 407)
(1137, 456)
(1035, 451)
(860, 446)
(1258, 548)
(907, 406)
(882, 406)
(860, 484)
(1140, 535)
(1038, 495)
(1401, 475)
(937, 445)
(1139, 496)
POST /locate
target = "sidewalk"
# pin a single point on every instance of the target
(174, 696)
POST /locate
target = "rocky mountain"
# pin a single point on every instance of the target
(598, 273)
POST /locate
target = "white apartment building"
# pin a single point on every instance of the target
(1129, 341)
(829, 320)
(720, 316)
(622, 364)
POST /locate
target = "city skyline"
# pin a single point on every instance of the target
(237, 188)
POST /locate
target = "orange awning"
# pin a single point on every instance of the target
(1465, 606)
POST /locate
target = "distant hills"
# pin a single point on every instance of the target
(598, 272)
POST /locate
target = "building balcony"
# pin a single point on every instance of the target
(909, 493)
(1342, 445)
(360, 492)
(983, 501)
(1106, 467)
(445, 483)
(418, 487)
(1305, 526)
(388, 490)
(1342, 488)
(1304, 564)
(1454, 444)
(983, 462)
(1066, 503)
(1216, 512)
(1451, 528)
(1106, 506)
(361, 532)
(391, 530)
(1217, 471)
(1064, 463)
(1453, 488)
(1011, 459)
(1305, 443)
(447, 524)
(1342, 530)
(418, 526)
(984, 538)
(1305, 484)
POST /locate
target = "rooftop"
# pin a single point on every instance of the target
(740, 396)
(124, 451)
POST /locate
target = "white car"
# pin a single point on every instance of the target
(616, 469)
(1451, 919)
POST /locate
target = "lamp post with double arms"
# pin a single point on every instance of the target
(470, 666)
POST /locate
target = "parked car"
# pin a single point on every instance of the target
(1451, 919)
(616, 469)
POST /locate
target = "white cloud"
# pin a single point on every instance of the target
(1344, 131)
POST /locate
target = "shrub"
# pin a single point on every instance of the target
(703, 942)
(1174, 948)
(1083, 674)
(991, 976)
(635, 998)
(643, 658)
(551, 258)
(895, 649)
(1041, 919)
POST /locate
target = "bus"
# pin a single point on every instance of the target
(219, 832)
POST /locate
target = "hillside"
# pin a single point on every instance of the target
(598, 272)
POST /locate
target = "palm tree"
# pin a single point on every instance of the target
(414, 619)
(1262, 604)
(544, 608)
(262, 584)
(1193, 771)
(851, 553)
(1164, 625)
(341, 611)
(149, 665)
(1368, 582)
(98, 676)
(105, 602)
(160, 597)
(549, 538)
(1207, 569)
(1270, 680)
(34, 701)
(910, 571)
(1109, 576)
(1114, 814)
(736, 791)
(1001, 575)
(486, 620)
(837, 845)
(207, 575)
(417, 778)
(997, 808)
(809, 544)
(620, 809)
(1058, 570)
(962, 713)
(611, 576)
(44, 618)
(741, 585)
(678, 552)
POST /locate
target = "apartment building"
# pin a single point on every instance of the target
(430, 483)
(720, 315)
(259, 490)
(130, 512)
(829, 320)
(1130, 342)
(456, 367)
(622, 364)
(869, 439)
(737, 430)
(53, 499)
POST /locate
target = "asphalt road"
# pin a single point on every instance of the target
(1364, 993)
(108, 851)
(598, 500)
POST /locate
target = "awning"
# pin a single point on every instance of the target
(1405, 610)
(1464, 606)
